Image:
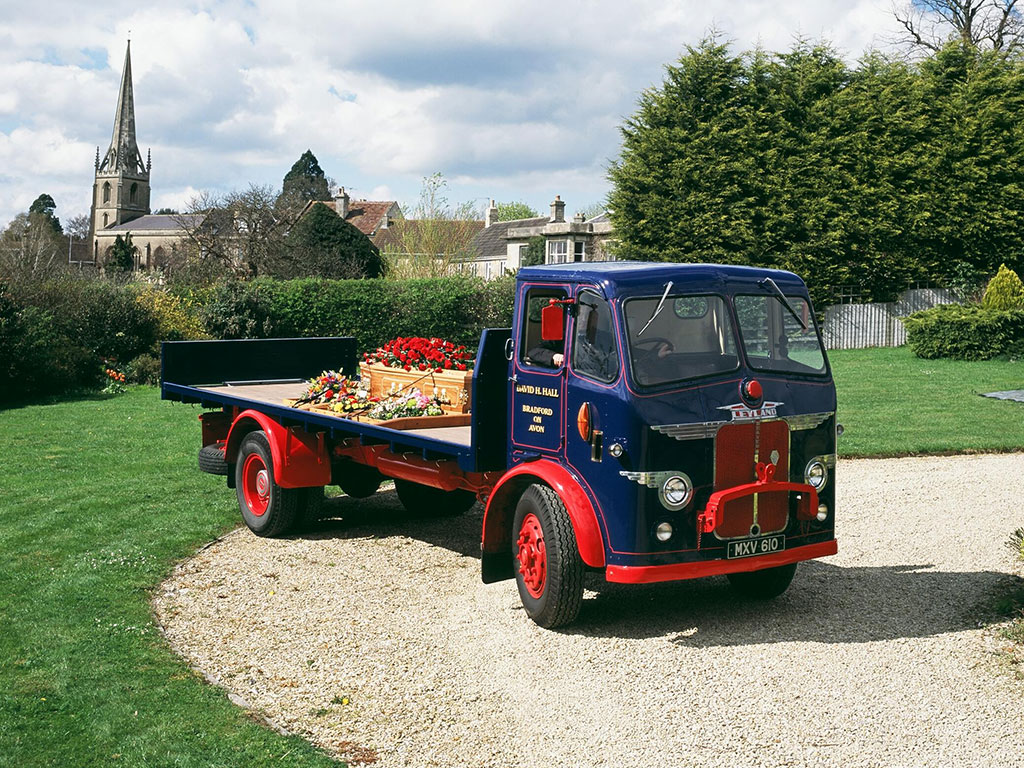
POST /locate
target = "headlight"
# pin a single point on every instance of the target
(663, 532)
(676, 491)
(816, 474)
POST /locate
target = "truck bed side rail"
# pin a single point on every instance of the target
(194, 363)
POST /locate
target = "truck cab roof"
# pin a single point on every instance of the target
(638, 276)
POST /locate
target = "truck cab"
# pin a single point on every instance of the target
(666, 421)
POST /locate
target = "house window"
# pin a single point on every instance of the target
(557, 251)
(577, 251)
(106, 192)
(523, 250)
(487, 271)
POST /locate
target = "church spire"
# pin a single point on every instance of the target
(123, 154)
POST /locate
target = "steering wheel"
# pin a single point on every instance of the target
(650, 342)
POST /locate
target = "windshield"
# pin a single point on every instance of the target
(776, 340)
(691, 336)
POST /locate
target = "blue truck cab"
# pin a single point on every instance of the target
(644, 422)
(684, 415)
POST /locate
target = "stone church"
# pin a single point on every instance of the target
(121, 191)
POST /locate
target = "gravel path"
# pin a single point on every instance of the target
(375, 638)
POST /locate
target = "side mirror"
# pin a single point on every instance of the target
(552, 323)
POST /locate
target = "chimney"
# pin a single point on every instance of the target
(492, 214)
(558, 209)
(579, 218)
(341, 202)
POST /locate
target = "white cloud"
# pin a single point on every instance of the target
(513, 100)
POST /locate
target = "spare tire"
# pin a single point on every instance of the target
(211, 459)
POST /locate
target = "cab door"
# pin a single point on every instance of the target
(537, 376)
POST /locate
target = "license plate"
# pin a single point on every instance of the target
(764, 545)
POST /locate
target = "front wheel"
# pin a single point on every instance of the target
(549, 571)
(267, 508)
(764, 584)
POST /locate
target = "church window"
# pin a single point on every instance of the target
(131, 193)
(104, 220)
(106, 195)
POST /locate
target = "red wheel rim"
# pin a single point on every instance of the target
(532, 555)
(256, 484)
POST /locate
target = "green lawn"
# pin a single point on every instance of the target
(98, 499)
(892, 403)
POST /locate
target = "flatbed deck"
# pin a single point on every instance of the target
(261, 374)
(276, 393)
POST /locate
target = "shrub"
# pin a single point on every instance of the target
(964, 332)
(1004, 291)
(99, 315)
(35, 358)
(236, 310)
(144, 369)
(177, 318)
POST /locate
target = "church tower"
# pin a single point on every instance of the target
(120, 192)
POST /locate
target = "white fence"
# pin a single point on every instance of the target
(850, 325)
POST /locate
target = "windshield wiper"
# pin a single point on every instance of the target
(657, 309)
(782, 298)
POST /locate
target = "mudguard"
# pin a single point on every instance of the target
(300, 458)
(496, 544)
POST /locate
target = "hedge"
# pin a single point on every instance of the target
(58, 336)
(373, 311)
(965, 332)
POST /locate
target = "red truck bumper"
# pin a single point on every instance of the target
(646, 574)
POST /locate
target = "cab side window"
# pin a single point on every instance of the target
(533, 350)
(594, 351)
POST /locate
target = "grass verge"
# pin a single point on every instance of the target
(98, 498)
(892, 403)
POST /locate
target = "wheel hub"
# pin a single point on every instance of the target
(256, 484)
(532, 555)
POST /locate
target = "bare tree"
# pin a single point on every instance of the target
(435, 238)
(238, 231)
(930, 24)
(30, 248)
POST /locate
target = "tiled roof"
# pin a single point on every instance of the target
(365, 215)
(153, 221)
(491, 242)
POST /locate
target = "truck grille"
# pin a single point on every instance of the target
(738, 449)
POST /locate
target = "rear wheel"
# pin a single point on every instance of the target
(549, 571)
(267, 508)
(358, 480)
(425, 500)
(764, 584)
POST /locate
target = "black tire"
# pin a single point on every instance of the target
(433, 502)
(267, 508)
(543, 538)
(357, 480)
(311, 505)
(211, 459)
(764, 584)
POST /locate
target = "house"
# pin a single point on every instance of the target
(502, 245)
(371, 217)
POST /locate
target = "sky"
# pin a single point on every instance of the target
(516, 101)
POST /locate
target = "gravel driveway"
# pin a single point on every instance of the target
(375, 638)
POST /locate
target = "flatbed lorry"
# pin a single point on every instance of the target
(648, 422)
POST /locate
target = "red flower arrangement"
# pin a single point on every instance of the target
(421, 354)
